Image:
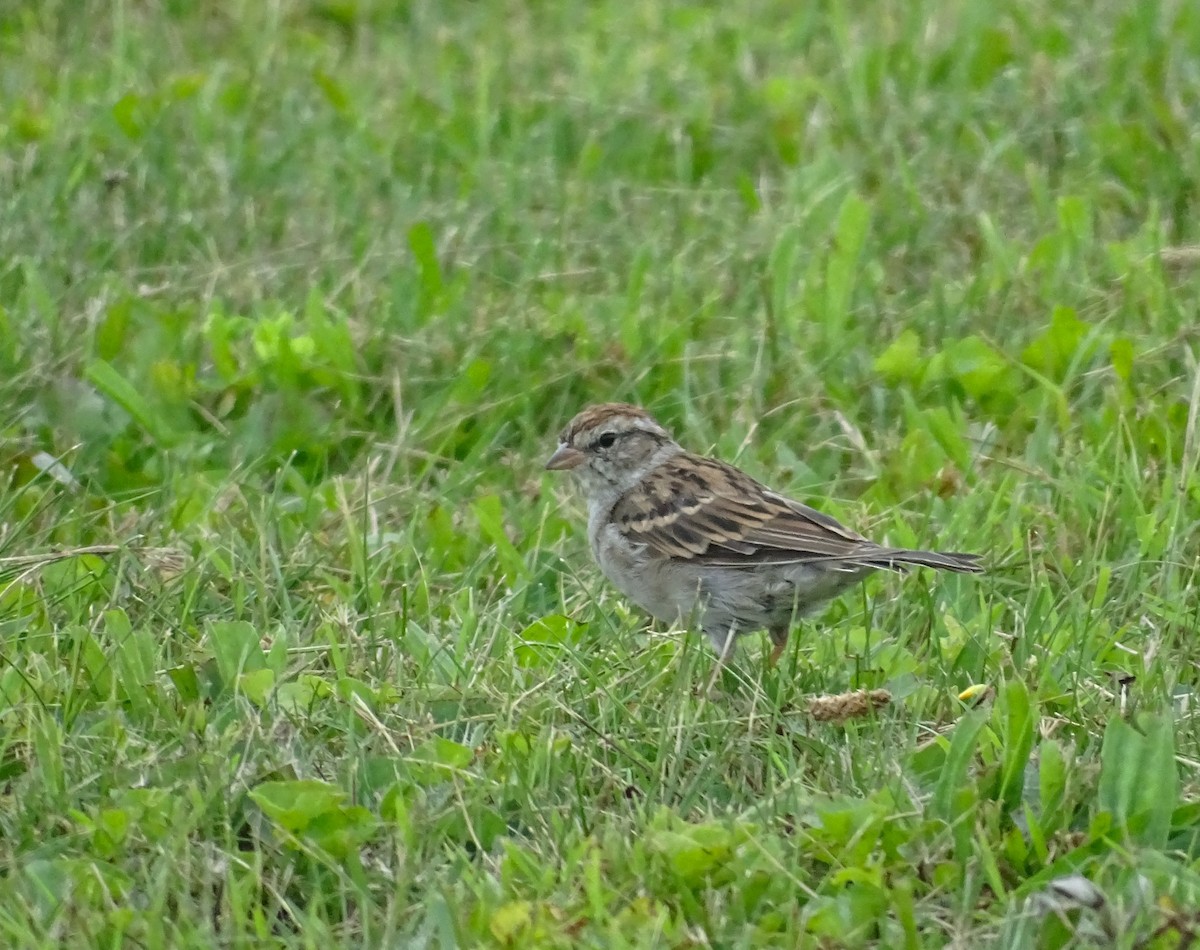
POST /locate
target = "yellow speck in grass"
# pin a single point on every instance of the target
(975, 694)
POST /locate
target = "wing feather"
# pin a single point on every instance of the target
(702, 509)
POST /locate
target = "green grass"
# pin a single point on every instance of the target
(299, 292)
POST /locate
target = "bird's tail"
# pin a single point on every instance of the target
(897, 558)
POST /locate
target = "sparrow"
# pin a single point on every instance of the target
(687, 537)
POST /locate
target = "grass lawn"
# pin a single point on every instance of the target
(300, 647)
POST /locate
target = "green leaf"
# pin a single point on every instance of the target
(109, 830)
(692, 853)
(748, 192)
(295, 804)
(1120, 754)
(113, 331)
(237, 648)
(351, 690)
(28, 123)
(299, 695)
(186, 86)
(129, 114)
(471, 380)
(256, 685)
(334, 344)
(1052, 351)
(1052, 786)
(1018, 719)
(958, 761)
(542, 642)
(993, 52)
(977, 367)
(511, 921)
(902, 362)
(1139, 783)
(490, 515)
(341, 831)
(424, 251)
(47, 743)
(334, 92)
(1121, 354)
(187, 683)
(134, 663)
(1074, 219)
(783, 269)
(438, 760)
(125, 394)
(1159, 792)
(222, 333)
(93, 658)
(949, 431)
(849, 236)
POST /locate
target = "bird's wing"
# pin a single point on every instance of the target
(705, 511)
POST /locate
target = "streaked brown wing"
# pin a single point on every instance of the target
(704, 510)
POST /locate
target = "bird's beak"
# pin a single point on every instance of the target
(565, 457)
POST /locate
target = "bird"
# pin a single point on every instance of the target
(691, 538)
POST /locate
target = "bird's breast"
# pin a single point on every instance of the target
(654, 583)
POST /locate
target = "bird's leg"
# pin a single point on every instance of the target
(779, 637)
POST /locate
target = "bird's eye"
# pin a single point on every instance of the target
(606, 441)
